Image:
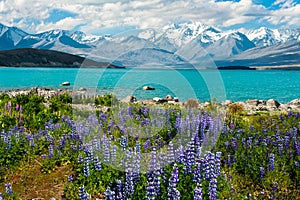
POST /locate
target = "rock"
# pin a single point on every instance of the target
(169, 98)
(295, 102)
(65, 83)
(176, 99)
(82, 89)
(157, 99)
(261, 102)
(206, 104)
(272, 103)
(129, 99)
(253, 102)
(227, 102)
(148, 88)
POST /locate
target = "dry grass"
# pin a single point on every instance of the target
(30, 183)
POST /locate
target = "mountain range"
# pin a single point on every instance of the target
(175, 44)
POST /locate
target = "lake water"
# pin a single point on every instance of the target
(237, 85)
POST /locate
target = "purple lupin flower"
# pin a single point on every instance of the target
(197, 173)
(150, 191)
(234, 144)
(113, 153)
(86, 167)
(124, 142)
(198, 192)
(178, 121)
(50, 151)
(180, 157)
(97, 164)
(147, 144)
(212, 189)
(119, 191)
(173, 193)
(70, 178)
(261, 172)
(109, 194)
(129, 187)
(287, 142)
(275, 187)
(157, 178)
(271, 162)
(171, 156)
(43, 156)
(218, 163)
(190, 155)
(1, 198)
(136, 165)
(80, 159)
(212, 165)
(106, 158)
(297, 147)
(8, 189)
(229, 160)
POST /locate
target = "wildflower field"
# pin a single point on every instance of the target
(133, 151)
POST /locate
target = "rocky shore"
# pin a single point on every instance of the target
(250, 106)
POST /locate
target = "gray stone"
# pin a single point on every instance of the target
(148, 88)
(169, 98)
(66, 83)
(129, 99)
(272, 103)
(82, 89)
(261, 102)
(157, 99)
(295, 102)
(227, 102)
(253, 102)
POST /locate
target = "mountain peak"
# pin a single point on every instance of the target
(266, 37)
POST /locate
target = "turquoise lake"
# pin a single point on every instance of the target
(236, 85)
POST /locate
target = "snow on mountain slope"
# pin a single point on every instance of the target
(10, 36)
(227, 46)
(192, 41)
(183, 33)
(267, 37)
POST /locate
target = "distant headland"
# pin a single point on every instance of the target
(30, 57)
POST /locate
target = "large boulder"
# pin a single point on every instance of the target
(146, 87)
(66, 83)
(227, 103)
(253, 102)
(129, 99)
(272, 103)
(169, 98)
(295, 102)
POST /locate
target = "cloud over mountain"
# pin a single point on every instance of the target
(96, 16)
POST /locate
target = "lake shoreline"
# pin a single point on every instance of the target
(251, 106)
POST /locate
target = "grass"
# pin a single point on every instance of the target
(29, 182)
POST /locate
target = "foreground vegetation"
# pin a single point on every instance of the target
(48, 149)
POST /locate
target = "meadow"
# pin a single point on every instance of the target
(49, 150)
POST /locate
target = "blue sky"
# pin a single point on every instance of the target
(109, 16)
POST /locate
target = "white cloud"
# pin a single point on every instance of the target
(93, 15)
(286, 16)
(284, 3)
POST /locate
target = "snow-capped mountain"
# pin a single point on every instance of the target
(10, 37)
(177, 42)
(181, 34)
(267, 37)
(276, 55)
